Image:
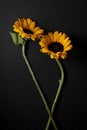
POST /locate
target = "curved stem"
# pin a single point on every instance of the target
(37, 86)
(57, 94)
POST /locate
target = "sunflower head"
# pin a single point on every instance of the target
(55, 44)
(27, 29)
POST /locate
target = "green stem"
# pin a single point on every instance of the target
(57, 94)
(37, 85)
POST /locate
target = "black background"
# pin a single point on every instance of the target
(21, 107)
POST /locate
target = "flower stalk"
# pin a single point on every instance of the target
(57, 94)
(37, 86)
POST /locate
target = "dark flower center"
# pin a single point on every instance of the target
(27, 31)
(55, 47)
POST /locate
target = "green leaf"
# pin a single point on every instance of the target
(16, 38)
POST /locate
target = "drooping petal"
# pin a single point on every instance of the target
(63, 55)
(44, 50)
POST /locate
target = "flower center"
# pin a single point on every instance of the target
(27, 31)
(55, 47)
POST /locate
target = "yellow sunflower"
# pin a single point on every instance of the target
(27, 28)
(55, 44)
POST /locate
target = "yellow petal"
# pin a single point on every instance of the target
(59, 35)
(29, 21)
(32, 25)
(47, 38)
(16, 30)
(19, 22)
(43, 44)
(63, 55)
(39, 31)
(33, 37)
(62, 37)
(57, 56)
(64, 41)
(36, 29)
(43, 40)
(68, 48)
(25, 24)
(52, 56)
(67, 43)
(55, 36)
(51, 36)
(44, 50)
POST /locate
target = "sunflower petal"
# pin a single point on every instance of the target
(51, 36)
(54, 56)
(67, 43)
(32, 25)
(47, 38)
(55, 36)
(44, 50)
(39, 31)
(36, 29)
(64, 41)
(68, 48)
(43, 44)
(29, 21)
(19, 22)
(62, 37)
(63, 55)
(25, 23)
(59, 35)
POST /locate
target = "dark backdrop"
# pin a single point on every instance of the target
(21, 107)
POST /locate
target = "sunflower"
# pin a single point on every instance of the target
(27, 28)
(55, 44)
